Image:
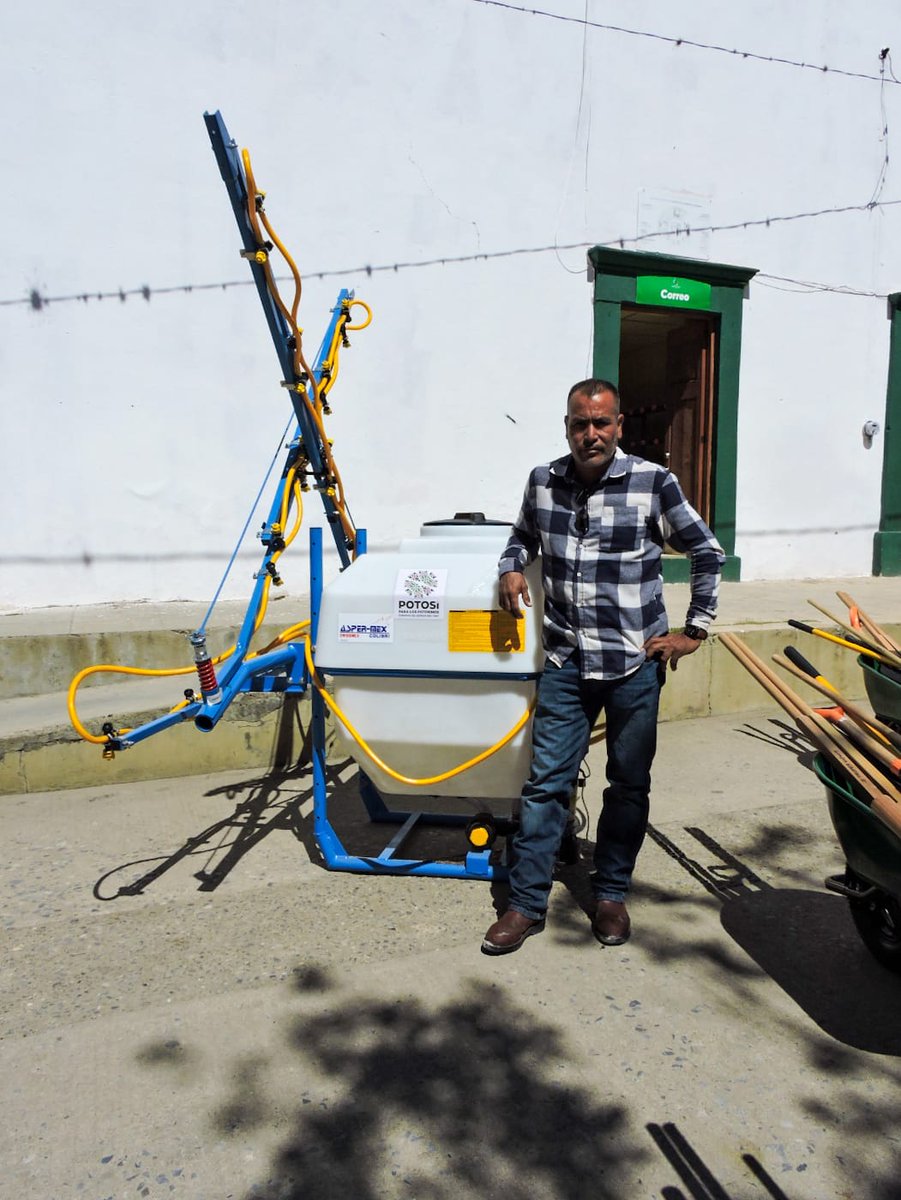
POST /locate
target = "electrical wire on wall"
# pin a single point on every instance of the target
(880, 182)
(584, 107)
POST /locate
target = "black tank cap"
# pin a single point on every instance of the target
(470, 518)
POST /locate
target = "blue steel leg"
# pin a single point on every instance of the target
(328, 841)
(315, 580)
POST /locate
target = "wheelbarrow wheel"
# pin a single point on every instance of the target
(878, 921)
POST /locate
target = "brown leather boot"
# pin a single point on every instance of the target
(611, 924)
(509, 932)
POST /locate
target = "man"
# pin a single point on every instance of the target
(600, 519)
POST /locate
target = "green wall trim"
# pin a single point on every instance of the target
(887, 542)
(728, 301)
(617, 288)
(607, 333)
(887, 553)
(614, 285)
(637, 262)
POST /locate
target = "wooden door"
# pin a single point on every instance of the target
(689, 399)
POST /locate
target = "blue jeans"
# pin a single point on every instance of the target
(565, 713)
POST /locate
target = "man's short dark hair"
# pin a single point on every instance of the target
(591, 387)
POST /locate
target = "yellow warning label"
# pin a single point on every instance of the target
(485, 631)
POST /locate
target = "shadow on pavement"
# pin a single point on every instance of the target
(802, 939)
(470, 1098)
(698, 1179)
(782, 735)
(265, 804)
(807, 944)
(475, 1097)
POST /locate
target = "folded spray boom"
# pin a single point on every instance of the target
(309, 463)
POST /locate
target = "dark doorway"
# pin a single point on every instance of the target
(667, 381)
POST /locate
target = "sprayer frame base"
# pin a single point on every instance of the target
(477, 864)
(486, 864)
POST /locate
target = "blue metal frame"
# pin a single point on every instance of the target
(288, 661)
(308, 440)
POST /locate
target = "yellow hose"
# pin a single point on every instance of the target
(379, 762)
(331, 361)
(287, 493)
(362, 304)
(298, 520)
(119, 670)
(291, 486)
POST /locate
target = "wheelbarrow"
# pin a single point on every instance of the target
(883, 686)
(872, 879)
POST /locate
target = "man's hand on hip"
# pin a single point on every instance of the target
(670, 648)
(510, 588)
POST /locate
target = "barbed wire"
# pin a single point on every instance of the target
(680, 41)
(37, 300)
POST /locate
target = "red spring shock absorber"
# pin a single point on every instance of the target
(207, 673)
(206, 670)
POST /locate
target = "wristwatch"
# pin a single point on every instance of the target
(695, 633)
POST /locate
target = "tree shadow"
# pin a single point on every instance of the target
(869, 1124)
(473, 1097)
(435, 1102)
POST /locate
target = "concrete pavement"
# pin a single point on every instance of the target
(192, 1007)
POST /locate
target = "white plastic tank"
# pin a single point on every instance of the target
(425, 664)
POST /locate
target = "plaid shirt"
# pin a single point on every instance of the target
(601, 550)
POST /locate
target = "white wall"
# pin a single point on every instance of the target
(135, 433)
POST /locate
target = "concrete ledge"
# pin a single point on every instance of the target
(258, 731)
(713, 683)
(40, 751)
(266, 730)
(41, 652)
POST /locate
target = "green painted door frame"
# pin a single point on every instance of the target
(615, 274)
(887, 542)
